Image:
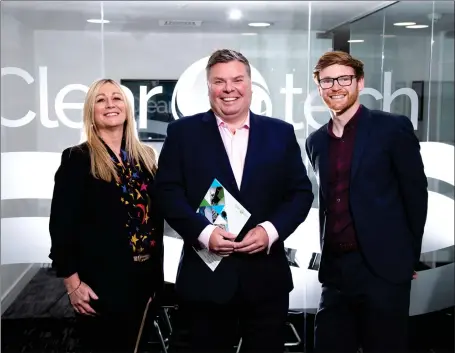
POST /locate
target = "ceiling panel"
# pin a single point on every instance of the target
(145, 15)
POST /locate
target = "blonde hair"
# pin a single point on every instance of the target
(102, 166)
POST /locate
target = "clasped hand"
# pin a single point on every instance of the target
(222, 242)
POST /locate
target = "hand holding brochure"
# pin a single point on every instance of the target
(224, 211)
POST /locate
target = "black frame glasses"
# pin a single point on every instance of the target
(343, 81)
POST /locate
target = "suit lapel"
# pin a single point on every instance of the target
(253, 151)
(361, 138)
(217, 156)
(324, 160)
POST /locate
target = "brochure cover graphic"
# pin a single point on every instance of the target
(222, 209)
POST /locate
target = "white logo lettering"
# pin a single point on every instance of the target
(289, 92)
(190, 96)
(27, 118)
(60, 105)
(144, 96)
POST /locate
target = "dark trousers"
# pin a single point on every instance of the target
(108, 333)
(120, 309)
(217, 328)
(359, 309)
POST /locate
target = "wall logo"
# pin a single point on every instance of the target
(190, 96)
(191, 93)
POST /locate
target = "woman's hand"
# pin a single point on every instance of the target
(80, 295)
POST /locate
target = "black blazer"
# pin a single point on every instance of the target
(275, 187)
(87, 228)
(388, 192)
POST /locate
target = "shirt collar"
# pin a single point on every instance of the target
(352, 123)
(246, 123)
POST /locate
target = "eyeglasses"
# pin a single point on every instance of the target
(345, 80)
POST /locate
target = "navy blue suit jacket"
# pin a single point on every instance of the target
(275, 187)
(388, 192)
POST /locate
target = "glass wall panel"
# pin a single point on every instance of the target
(366, 42)
(442, 74)
(407, 49)
(43, 69)
(53, 50)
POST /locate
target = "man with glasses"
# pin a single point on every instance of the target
(373, 206)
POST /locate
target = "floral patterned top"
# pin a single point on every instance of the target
(134, 183)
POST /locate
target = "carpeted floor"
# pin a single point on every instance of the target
(44, 335)
(43, 297)
(41, 321)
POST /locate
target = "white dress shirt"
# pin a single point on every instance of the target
(236, 145)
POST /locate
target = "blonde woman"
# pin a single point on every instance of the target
(106, 233)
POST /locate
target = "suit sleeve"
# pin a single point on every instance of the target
(170, 189)
(65, 215)
(298, 196)
(407, 162)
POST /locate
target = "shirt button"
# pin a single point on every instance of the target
(338, 200)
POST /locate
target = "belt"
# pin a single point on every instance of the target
(141, 258)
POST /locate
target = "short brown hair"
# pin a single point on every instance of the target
(225, 56)
(338, 57)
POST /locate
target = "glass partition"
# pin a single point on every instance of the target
(53, 50)
(41, 95)
(408, 52)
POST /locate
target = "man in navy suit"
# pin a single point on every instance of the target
(373, 206)
(258, 160)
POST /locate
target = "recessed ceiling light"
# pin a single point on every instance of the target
(249, 34)
(355, 41)
(235, 14)
(404, 24)
(98, 20)
(417, 26)
(259, 24)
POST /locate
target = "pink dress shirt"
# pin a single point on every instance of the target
(236, 145)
